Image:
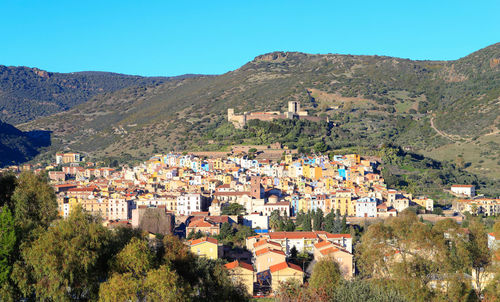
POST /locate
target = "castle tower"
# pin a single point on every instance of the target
(255, 189)
(293, 106)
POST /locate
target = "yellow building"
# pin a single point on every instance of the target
(353, 158)
(205, 247)
(303, 205)
(243, 273)
(284, 271)
(343, 203)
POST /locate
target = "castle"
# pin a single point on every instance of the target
(294, 112)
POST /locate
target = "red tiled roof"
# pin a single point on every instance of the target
(305, 235)
(267, 250)
(204, 239)
(329, 250)
(262, 242)
(237, 263)
(283, 265)
(462, 186)
(200, 223)
(322, 244)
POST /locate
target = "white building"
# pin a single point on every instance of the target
(256, 220)
(118, 209)
(366, 207)
(464, 190)
(189, 203)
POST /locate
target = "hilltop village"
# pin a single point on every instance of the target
(261, 202)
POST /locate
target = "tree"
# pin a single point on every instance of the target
(163, 284)
(233, 209)
(274, 219)
(226, 231)
(7, 248)
(306, 225)
(135, 258)
(8, 184)
(67, 261)
(293, 253)
(34, 203)
(325, 277)
(329, 222)
(136, 277)
(318, 220)
(479, 252)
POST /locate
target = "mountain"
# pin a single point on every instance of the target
(17, 146)
(448, 110)
(28, 93)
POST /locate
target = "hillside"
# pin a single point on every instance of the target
(425, 106)
(28, 93)
(17, 146)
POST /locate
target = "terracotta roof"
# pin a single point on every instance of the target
(329, 250)
(237, 263)
(283, 265)
(202, 240)
(322, 244)
(262, 242)
(200, 223)
(462, 186)
(267, 250)
(330, 235)
(305, 235)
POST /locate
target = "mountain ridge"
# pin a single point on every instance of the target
(27, 93)
(371, 98)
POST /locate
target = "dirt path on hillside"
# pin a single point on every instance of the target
(451, 137)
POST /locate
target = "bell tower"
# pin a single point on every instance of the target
(255, 188)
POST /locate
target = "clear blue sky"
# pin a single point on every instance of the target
(171, 38)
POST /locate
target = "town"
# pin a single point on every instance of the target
(275, 208)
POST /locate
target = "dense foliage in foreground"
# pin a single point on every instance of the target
(77, 259)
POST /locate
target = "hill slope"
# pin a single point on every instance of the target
(28, 93)
(426, 106)
(17, 146)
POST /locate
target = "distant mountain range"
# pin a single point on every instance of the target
(28, 93)
(448, 110)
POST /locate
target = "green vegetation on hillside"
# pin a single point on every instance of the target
(419, 105)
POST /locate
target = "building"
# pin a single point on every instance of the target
(294, 112)
(189, 203)
(242, 272)
(284, 271)
(265, 257)
(203, 226)
(256, 221)
(326, 249)
(366, 207)
(464, 190)
(303, 241)
(66, 158)
(206, 247)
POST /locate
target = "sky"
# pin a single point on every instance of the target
(167, 38)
